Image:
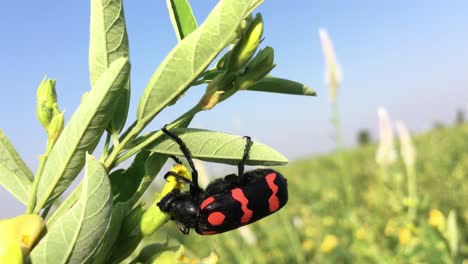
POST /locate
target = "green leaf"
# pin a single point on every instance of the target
(128, 186)
(74, 237)
(190, 57)
(182, 17)
(253, 6)
(277, 85)
(15, 175)
(81, 134)
(109, 42)
(217, 147)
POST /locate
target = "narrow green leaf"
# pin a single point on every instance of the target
(118, 214)
(108, 42)
(128, 187)
(73, 239)
(182, 17)
(190, 57)
(277, 85)
(15, 175)
(217, 147)
(81, 134)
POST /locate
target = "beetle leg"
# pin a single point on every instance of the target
(176, 159)
(194, 187)
(241, 165)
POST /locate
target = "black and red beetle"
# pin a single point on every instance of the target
(226, 203)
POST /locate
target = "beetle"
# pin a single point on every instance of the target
(226, 203)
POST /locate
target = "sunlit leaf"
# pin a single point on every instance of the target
(127, 189)
(190, 57)
(217, 147)
(15, 175)
(182, 17)
(108, 42)
(81, 134)
(74, 237)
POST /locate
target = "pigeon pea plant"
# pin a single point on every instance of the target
(102, 220)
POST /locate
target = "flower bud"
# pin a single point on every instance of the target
(257, 68)
(11, 254)
(154, 218)
(168, 256)
(46, 102)
(55, 127)
(216, 88)
(23, 230)
(247, 45)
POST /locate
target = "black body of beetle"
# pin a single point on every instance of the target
(226, 203)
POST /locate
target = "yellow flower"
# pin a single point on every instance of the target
(329, 243)
(307, 245)
(23, 230)
(360, 233)
(437, 219)
(404, 235)
(391, 228)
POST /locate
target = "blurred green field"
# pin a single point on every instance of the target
(316, 226)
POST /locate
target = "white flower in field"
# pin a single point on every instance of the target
(333, 75)
(386, 153)
(248, 235)
(407, 150)
(298, 222)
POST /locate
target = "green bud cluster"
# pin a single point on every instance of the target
(47, 110)
(247, 45)
(257, 68)
(239, 68)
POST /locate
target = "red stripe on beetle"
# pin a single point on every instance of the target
(238, 195)
(206, 202)
(216, 218)
(209, 232)
(273, 201)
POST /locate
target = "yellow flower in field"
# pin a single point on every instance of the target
(391, 228)
(437, 219)
(404, 235)
(307, 245)
(329, 243)
(360, 233)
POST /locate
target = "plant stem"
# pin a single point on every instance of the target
(114, 159)
(109, 161)
(106, 147)
(33, 192)
(346, 188)
(412, 195)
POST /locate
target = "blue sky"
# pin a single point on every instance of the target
(409, 56)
